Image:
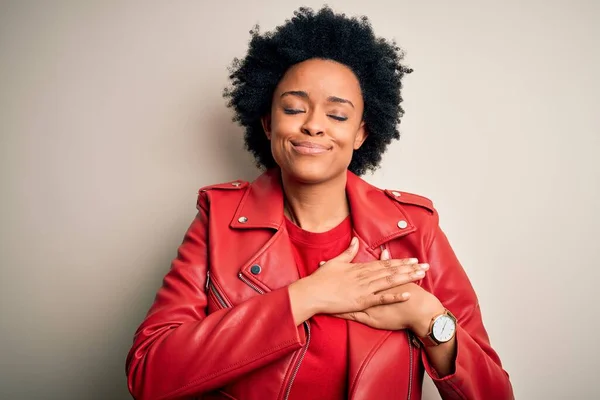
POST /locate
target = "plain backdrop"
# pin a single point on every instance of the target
(111, 118)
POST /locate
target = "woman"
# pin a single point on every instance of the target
(309, 283)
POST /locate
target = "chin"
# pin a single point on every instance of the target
(313, 172)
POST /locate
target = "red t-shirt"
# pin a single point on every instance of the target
(323, 372)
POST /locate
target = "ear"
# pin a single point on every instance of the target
(266, 124)
(361, 135)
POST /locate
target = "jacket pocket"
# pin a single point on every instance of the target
(216, 301)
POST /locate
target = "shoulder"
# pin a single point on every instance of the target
(228, 189)
(232, 185)
(411, 200)
(417, 209)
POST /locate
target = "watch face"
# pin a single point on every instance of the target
(443, 328)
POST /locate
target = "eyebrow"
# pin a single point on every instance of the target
(304, 95)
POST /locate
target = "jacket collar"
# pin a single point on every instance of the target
(376, 217)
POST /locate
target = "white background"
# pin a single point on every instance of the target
(111, 118)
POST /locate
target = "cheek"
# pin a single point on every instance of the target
(280, 127)
(348, 139)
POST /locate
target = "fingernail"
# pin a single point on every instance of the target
(424, 266)
(420, 273)
(385, 255)
(405, 295)
(353, 241)
(321, 263)
(413, 260)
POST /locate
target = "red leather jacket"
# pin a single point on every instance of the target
(221, 326)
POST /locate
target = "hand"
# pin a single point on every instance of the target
(415, 313)
(340, 286)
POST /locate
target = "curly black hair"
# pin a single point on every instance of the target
(326, 35)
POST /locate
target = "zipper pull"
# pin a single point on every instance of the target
(207, 280)
(415, 342)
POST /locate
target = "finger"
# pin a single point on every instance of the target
(379, 269)
(402, 269)
(379, 299)
(395, 279)
(385, 255)
(384, 264)
(348, 254)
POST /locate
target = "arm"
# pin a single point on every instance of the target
(179, 351)
(476, 371)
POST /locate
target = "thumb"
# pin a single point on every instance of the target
(348, 254)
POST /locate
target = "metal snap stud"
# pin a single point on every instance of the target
(397, 194)
(402, 224)
(255, 269)
(236, 184)
(242, 220)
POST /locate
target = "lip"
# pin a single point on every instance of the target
(308, 147)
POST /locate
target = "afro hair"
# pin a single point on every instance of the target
(376, 62)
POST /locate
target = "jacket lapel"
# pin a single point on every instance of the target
(377, 219)
(261, 209)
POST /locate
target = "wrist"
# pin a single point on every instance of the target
(422, 325)
(303, 303)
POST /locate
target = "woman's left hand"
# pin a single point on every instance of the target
(415, 314)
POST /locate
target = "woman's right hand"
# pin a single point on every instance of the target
(340, 286)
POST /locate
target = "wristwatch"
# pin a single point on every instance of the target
(441, 330)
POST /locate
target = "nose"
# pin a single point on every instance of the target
(312, 126)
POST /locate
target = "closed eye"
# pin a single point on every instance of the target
(337, 117)
(292, 111)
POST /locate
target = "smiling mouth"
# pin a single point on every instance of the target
(306, 147)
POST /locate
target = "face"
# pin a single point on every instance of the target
(316, 120)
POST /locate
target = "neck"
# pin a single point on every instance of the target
(316, 207)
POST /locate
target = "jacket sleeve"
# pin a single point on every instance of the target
(179, 351)
(478, 372)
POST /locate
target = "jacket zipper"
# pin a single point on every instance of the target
(297, 367)
(304, 350)
(252, 285)
(413, 343)
(211, 286)
(410, 365)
